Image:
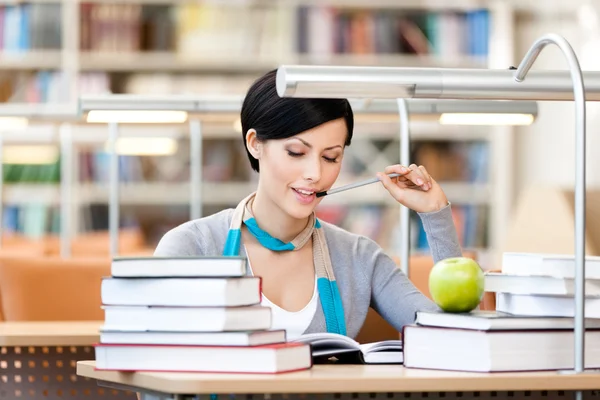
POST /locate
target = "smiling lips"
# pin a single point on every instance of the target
(304, 196)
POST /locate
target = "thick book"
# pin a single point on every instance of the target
(251, 338)
(495, 351)
(496, 320)
(546, 264)
(532, 284)
(185, 292)
(347, 350)
(268, 359)
(193, 319)
(139, 267)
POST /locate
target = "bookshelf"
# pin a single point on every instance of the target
(199, 49)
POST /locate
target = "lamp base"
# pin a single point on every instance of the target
(573, 372)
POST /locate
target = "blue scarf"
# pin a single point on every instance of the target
(329, 294)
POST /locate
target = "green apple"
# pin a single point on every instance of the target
(456, 284)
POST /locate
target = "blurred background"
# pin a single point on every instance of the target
(511, 187)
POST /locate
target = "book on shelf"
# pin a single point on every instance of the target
(122, 267)
(191, 319)
(345, 349)
(495, 350)
(487, 320)
(216, 338)
(177, 291)
(268, 359)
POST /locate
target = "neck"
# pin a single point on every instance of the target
(274, 220)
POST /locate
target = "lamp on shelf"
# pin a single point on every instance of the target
(36, 145)
(473, 84)
(169, 109)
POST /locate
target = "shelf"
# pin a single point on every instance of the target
(404, 4)
(391, 4)
(30, 60)
(172, 61)
(216, 193)
(30, 193)
(394, 60)
(175, 62)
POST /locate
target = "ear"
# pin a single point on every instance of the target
(253, 144)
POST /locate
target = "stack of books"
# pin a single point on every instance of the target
(543, 285)
(532, 327)
(196, 314)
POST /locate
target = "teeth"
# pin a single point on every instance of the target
(304, 192)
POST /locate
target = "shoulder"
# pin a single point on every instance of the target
(196, 237)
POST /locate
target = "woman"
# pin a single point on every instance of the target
(316, 277)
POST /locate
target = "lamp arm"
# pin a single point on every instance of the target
(404, 211)
(580, 131)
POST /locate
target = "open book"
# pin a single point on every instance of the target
(345, 349)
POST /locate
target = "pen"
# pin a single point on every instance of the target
(353, 185)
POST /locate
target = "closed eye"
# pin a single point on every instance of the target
(331, 160)
(292, 154)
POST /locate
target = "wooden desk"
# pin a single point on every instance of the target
(38, 360)
(346, 381)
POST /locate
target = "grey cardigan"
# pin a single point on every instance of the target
(365, 275)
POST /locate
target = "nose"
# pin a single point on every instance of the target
(312, 170)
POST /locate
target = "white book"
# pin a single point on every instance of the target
(545, 306)
(136, 267)
(532, 284)
(254, 338)
(191, 319)
(495, 351)
(185, 292)
(340, 346)
(546, 264)
(486, 320)
(272, 358)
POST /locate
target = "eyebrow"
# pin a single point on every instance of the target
(310, 145)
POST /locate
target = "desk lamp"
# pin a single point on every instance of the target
(475, 84)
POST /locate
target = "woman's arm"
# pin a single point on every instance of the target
(393, 295)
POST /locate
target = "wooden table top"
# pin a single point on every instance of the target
(344, 378)
(50, 333)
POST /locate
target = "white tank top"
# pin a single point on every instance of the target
(294, 323)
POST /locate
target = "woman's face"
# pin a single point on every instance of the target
(294, 169)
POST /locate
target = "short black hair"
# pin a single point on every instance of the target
(275, 117)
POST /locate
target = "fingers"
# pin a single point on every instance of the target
(390, 185)
(411, 176)
(399, 169)
(426, 176)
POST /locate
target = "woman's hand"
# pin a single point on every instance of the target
(414, 188)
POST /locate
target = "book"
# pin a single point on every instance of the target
(192, 319)
(192, 292)
(348, 350)
(495, 351)
(531, 284)
(249, 338)
(268, 359)
(122, 267)
(545, 306)
(485, 320)
(542, 264)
